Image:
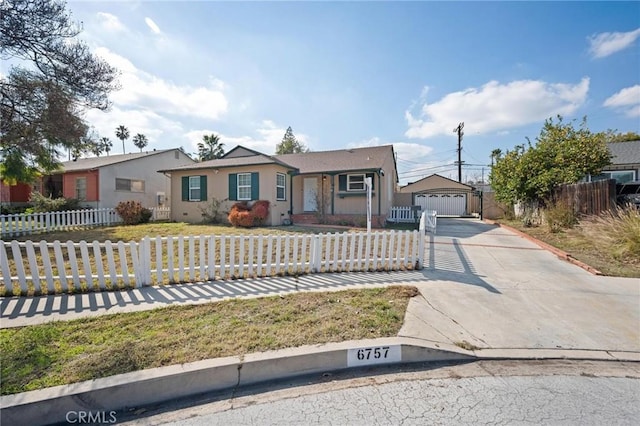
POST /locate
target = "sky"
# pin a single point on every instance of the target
(355, 74)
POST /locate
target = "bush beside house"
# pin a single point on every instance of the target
(245, 215)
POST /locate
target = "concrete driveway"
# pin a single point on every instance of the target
(494, 289)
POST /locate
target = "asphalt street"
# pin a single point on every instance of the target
(558, 392)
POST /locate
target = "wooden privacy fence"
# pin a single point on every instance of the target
(588, 198)
(36, 223)
(46, 267)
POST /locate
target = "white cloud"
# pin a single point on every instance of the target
(110, 22)
(497, 107)
(152, 25)
(156, 127)
(627, 100)
(143, 90)
(266, 137)
(605, 44)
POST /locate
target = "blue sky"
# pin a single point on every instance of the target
(350, 74)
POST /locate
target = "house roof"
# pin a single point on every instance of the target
(625, 152)
(220, 163)
(445, 183)
(97, 162)
(342, 160)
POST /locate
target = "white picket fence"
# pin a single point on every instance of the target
(35, 223)
(429, 221)
(403, 214)
(408, 214)
(44, 267)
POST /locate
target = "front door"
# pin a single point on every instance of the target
(310, 192)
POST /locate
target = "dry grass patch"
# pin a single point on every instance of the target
(609, 243)
(65, 352)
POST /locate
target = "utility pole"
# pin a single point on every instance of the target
(460, 133)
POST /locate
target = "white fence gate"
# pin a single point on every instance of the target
(46, 267)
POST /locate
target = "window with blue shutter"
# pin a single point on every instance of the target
(244, 186)
(194, 188)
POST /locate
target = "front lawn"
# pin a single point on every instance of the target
(65, 352)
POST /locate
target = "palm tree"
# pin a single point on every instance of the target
(140, 141)
(106, 145)
(122, 133)
(495, 154)
(211, 148)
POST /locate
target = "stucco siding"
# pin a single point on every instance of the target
(92, 181)
(218, 188)
(141, 169)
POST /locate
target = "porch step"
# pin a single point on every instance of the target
(304, 218)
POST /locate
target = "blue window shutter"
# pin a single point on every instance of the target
(255, 186)
(233, 186)
(185, 188)
(342, 183)
(203, 188)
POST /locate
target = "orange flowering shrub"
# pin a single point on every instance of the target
(243, 215)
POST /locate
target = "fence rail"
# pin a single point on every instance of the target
(36, 223)
(403, 214)
(588, 198)
(48, 267)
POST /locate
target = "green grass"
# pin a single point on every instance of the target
(609, 243)
(60, 353)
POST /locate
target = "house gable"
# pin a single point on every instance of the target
(435, 182)
(241, 151)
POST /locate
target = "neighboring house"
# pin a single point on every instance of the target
(105, 181)
(325, 186)
(625, 161)
(446, 196)
(14, 195)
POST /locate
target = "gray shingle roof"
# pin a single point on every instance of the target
(625, 152)
(221, 163)
(97, 162)
(342, 160)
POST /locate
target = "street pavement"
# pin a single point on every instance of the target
(481, 392)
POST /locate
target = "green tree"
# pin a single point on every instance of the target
(614, 136)
(43, 96)
(562, 154)
(140, 141)
(290, 145)
(122, 133)
(106, 145)
(495, 154)
(210, 148)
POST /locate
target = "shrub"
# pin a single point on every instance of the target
(243, 215)
(145, 216)
(620, 230)
(211, 211)
(42, 204)
(132, 212)
(559, 216)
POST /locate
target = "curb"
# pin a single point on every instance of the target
(121, 392)
(106, 396)
(559, 253)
